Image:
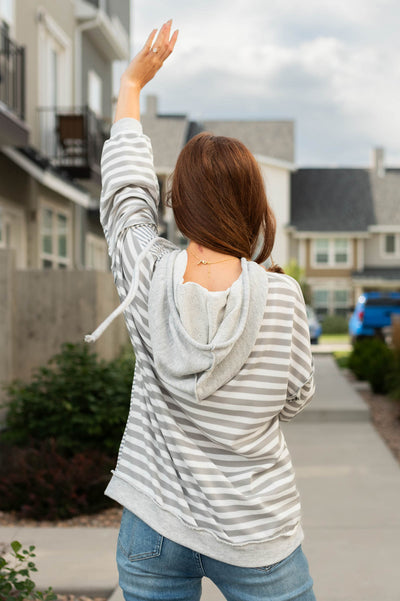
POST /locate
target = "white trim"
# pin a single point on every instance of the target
(302, 253)
(273, 162)
(375, 281)
(331, 264)
(94, 84)
(54, 257)
(50, 180)
(385, 229)
(52, 26)
(360, 254)
(330, 234)
(47, 26)
(14, 217)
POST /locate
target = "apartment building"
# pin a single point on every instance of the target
(56, 72)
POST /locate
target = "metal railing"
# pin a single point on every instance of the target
(72, 138)
(12, 73)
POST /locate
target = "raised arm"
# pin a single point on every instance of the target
(142, 69)
(130, 192)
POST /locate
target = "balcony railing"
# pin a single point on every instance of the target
(72, 139)
(12, 74)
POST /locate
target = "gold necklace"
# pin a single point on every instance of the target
(205, 262)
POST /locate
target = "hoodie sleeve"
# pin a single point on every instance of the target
(301, 386)
(130, 192)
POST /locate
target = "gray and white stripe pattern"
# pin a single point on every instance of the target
(220, 466)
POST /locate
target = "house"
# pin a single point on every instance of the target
(345, 231)
(56, 69)
(342, 225)
(271, 142)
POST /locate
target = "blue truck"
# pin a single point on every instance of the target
(372, 313)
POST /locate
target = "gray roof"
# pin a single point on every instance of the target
(385, 273)
(168, 136)
(269, 138)
(344, 199)
(169, 133)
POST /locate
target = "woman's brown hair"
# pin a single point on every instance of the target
(218, 198)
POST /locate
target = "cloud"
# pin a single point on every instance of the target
(331, 66)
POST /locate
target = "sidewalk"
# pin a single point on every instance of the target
(350, 488)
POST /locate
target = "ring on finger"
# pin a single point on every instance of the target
(155, 50)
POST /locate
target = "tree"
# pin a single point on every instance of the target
(297, 273)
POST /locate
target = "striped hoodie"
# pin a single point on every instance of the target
(203, 460)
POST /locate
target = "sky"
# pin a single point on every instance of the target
(331, 66)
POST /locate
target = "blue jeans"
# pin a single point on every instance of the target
(153, 568)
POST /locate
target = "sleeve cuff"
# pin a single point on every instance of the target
(127, 124)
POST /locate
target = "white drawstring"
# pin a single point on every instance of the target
(129, 297)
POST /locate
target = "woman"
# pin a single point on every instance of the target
(222, 356)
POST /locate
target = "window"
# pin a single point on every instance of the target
(390, 244)
(331, 252)
(341, 251)
(54, 239)
(321, 302)
(331, 301)
(322, 251)
(341, 302)
(95, 93)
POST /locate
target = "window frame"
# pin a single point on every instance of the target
(384, 253)
(58, 261)
(331, 263)
(332, 305)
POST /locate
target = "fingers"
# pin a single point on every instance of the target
(163, 44)
(149, 40)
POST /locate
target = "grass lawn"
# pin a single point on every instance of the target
(342, 358)
(334, 339)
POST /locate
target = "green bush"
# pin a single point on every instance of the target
(372, 360)
(16, 583)
(38, 482)
(79, 400)
(335, 324)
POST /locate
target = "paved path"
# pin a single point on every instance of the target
(350, 488)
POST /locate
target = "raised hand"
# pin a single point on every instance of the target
(150, 59)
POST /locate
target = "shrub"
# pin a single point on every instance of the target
(40, 483)
(77, 399)
(15, 576)
(335, 324)
(372, 360)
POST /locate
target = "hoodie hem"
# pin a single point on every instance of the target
(247, 555)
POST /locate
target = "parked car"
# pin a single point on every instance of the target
(314, 325)
(372, 314)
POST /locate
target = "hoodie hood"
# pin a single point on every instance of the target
(201, 339)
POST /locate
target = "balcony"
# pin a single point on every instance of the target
(72, 139)
(13, 129)
(103, 29)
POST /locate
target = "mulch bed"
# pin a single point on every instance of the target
(385, 416)
(109, 518)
